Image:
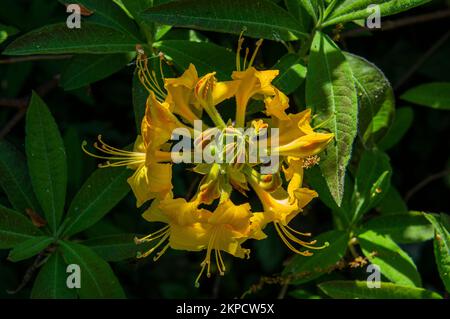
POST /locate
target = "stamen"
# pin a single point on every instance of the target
(152, 236)
(149, 252)
(238, 51)
(288, 244)
(247, 50)
(258, 45)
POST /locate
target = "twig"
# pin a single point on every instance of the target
(22, 103)
(283, 290)
(394, 24)
(425, 182)
(422, 60)
(34, 58)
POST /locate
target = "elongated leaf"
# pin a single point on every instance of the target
(376, 99)
(330, 91)
(402, 122)
(99, 194)
(46, 160)
(57, 39)
(309, 6)
(303, 269)
(402, 228)
(394, 263)
(350, 10)
(15, 228)
(207, 57)
(113, 15)
(434, 95)
(29, 248)
(51, 281)
(14, 178)
(86, 69)
(358, 290)
(116, 247)
(392, 203)
(292, 73)
(259, 18)
(97, 278)
(441, 247)
(298, 11)
(372, 182)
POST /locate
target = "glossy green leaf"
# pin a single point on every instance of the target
(57, 39)
(300, 13)
(402, 122)
(207, 57)
(97, 277)
(15, 228)
(116, 247)
(100, 193)
(441, 245)
(86, 69)
(51, 281)
(258, 18)
(403, 228)
(29, 248)
(303, 269)
(342, 289)
(394, 263)
(14, 178)
(113, 15)
(392, 203)
(372, 182)
(302, 294)
(292, 73)
(46, 160)
(349, 10)
(309, 6)
(330, 91)
(434, 95)
(376, 99)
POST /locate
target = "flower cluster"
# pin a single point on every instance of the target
(211, 220)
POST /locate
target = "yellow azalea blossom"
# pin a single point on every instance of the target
(222, 226)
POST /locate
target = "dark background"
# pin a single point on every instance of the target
(407, 55)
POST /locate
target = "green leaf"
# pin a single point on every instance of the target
(350, 10)
(342, 289)
(406, 228)
(315, 179)
(434, 95)
(51, 281)
(46, 160)
(14, 178)
(302, 294)
(258, 18)
(371, 183)
(441, 246)
(29, 248)
(304, 269)
(83, 70)
(100, 193)
(394, 263)
(113, 15)
(330, 91)
(15, 228)
(207, 57)
(309, 6)
(58, 39)
(116, 247)
(292, 73)
(299, 12)
(392, 203)
(376, 99)
(97, 277)
(402, 122)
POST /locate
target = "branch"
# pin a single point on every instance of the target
(394, 24)
(34, 58)
(425, 182)
(22, 103)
